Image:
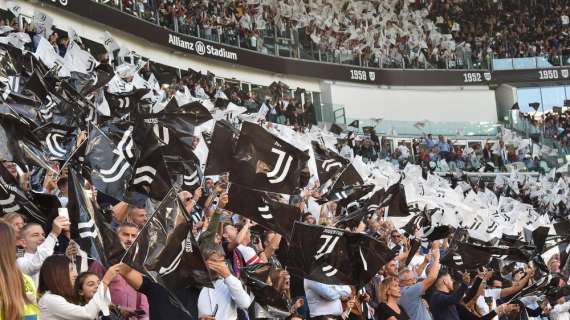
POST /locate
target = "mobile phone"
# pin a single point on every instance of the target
(215, 311)
(62, 212)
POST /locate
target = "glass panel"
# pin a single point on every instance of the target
(502, 64)
(543, 62)
(526, 96)
(552, 97)
(408, 128)
(525, 63)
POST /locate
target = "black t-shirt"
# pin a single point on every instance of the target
(384, 312)
(161, 305)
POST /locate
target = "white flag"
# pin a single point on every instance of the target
(42, 23)
(14, 7)
(46, 53)
(73, 36)
(110, 43)
(79, 60)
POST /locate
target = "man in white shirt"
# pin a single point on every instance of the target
(324, 299)
(495, 292)
(38, 247)
(560, 310)
(222, 302)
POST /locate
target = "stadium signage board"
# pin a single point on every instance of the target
(327, 71)
(201, 48)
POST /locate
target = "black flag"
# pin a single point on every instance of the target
(192, 176)
(265, 294)
(123, 103)
(335, 256)
(150, 175)
(18, 143)
(263, 161)
(168, 252)
(395, 199)
(57, 140)
(329, 163)
(88, 227)
(103, 74)
(221, 148)
(110, 154)
(153, 236)
(336, 129)
(12, 199)
(180, 263)
(261, 208)
(354, 124)
(348, 177)
(194, 113)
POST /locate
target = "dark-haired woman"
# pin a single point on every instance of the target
(58, 299)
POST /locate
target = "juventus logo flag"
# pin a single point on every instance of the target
(180, 264)
(395, 199)
(329, 163)
(261, 208)
(150, 176)
(110, 153)
(153, 236)
(103, 74)
(88, 226)
(12, 199)
(335, 256)
(123, 103)
(265, 162)
(56, 140)
(348, 177)
(468, 256)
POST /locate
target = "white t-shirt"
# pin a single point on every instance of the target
(228, 294)
(249, 255)
(483, 307)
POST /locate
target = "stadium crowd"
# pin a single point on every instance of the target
(396, 33)
(65, 266)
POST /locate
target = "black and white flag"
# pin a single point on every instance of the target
(192, 176)
(111, 154)
(150, 174)
(329, 163)
(261, 208)
(56, 139)
(121, 104)
(18, 143)
(395, 199)
(335, 256)
(12, 199)
(88, 227)
(180, 264)
(168, 252)
(265, 162)
(348, 177)
(153, 236)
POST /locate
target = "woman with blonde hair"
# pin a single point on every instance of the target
(17, 292)
(16, 220)
(389, 295)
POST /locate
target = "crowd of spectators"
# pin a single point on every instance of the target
(396, 33)
(556, 127)
(44, 274)
(441, 154)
